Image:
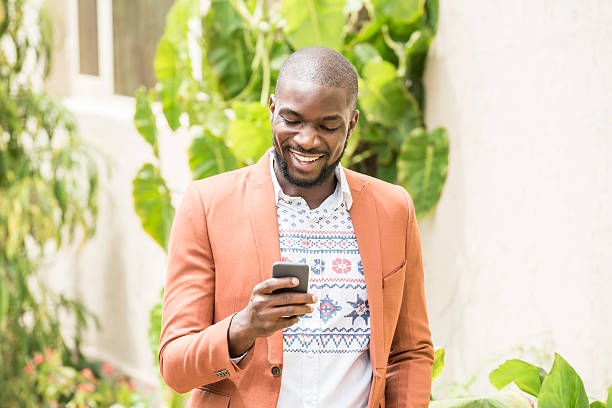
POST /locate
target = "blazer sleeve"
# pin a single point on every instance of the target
(193, 351)
(408, 382)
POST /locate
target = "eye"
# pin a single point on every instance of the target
(325, 128)
(290, 122)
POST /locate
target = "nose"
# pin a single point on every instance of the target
(307, 138)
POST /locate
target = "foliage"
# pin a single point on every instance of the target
(48, 192)
(499, 400)
(561, 387)
(55, 384)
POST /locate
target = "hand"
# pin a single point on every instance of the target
(267, 313)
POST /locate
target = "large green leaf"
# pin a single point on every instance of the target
(432, 9)
(422, 166)
(208, 154)
(229, 49)
(400, 9)
(501, 400)
(364, 53)
(382, 96)
(172, 65)
(526, 376)
(609, 402)
(144, 119)
(314, 22)
(250, 133)
(153, 204)
(438, 365)
(597, 404)
(562, 387)
(169, 71)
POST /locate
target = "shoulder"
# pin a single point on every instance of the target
(381, 190)
(390, 198)
(221, 186)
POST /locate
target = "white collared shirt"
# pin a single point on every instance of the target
(326, 360)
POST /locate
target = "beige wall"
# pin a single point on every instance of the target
(518, 252)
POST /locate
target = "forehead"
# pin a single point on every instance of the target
(312, 99)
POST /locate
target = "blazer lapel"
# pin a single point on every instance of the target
(262, 213)
(365, 223)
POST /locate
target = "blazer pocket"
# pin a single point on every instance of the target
(394, 271)
(204, 397)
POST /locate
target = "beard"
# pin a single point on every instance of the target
(326, 172)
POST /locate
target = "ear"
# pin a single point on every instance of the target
(352, 123)
(271, 107)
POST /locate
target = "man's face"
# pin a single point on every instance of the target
(310, 126)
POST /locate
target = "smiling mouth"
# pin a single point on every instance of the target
(306, 158)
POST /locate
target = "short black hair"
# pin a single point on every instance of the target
(323, 66)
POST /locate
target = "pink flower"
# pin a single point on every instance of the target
(29, 368)
(107, 368)
(88, 388)
(86, 372)
(38, 358)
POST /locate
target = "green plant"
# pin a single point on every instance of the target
(97, 385)
(48, 191)
(216, 69)
(561, 387)
(499, 400)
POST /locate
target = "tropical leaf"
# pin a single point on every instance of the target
(144, 119)
(562, 387)
(382, 96)
(153, 204)
(422, 166)
(250, 133)
(402, 10)
(208, 154)
(500, 400)
(172, 64)
(438, 365)
(597, 404)
(229, 51)
(432, 10)
(314, 22)
(609, 401)
(364, 53)
(526, 376)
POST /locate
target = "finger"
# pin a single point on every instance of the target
(270, 285)
(293, 310)
(288, 321)
(291, 298)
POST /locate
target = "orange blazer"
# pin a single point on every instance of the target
(224, 241)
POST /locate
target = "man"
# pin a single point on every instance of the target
(360, 337)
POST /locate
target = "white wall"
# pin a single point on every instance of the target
(518, 252)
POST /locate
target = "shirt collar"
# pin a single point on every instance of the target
(342, 188)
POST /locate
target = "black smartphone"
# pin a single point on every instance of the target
(298, 270)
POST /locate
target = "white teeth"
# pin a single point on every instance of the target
(304, 158)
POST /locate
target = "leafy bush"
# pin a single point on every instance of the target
(48, 191)
(561, 387)
(54, 384)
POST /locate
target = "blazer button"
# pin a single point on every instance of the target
(276, 371)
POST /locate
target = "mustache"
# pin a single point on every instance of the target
(303, 151)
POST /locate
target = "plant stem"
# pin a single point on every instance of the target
(397, 49)
(265, 88)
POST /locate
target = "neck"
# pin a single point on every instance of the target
(314, 195)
